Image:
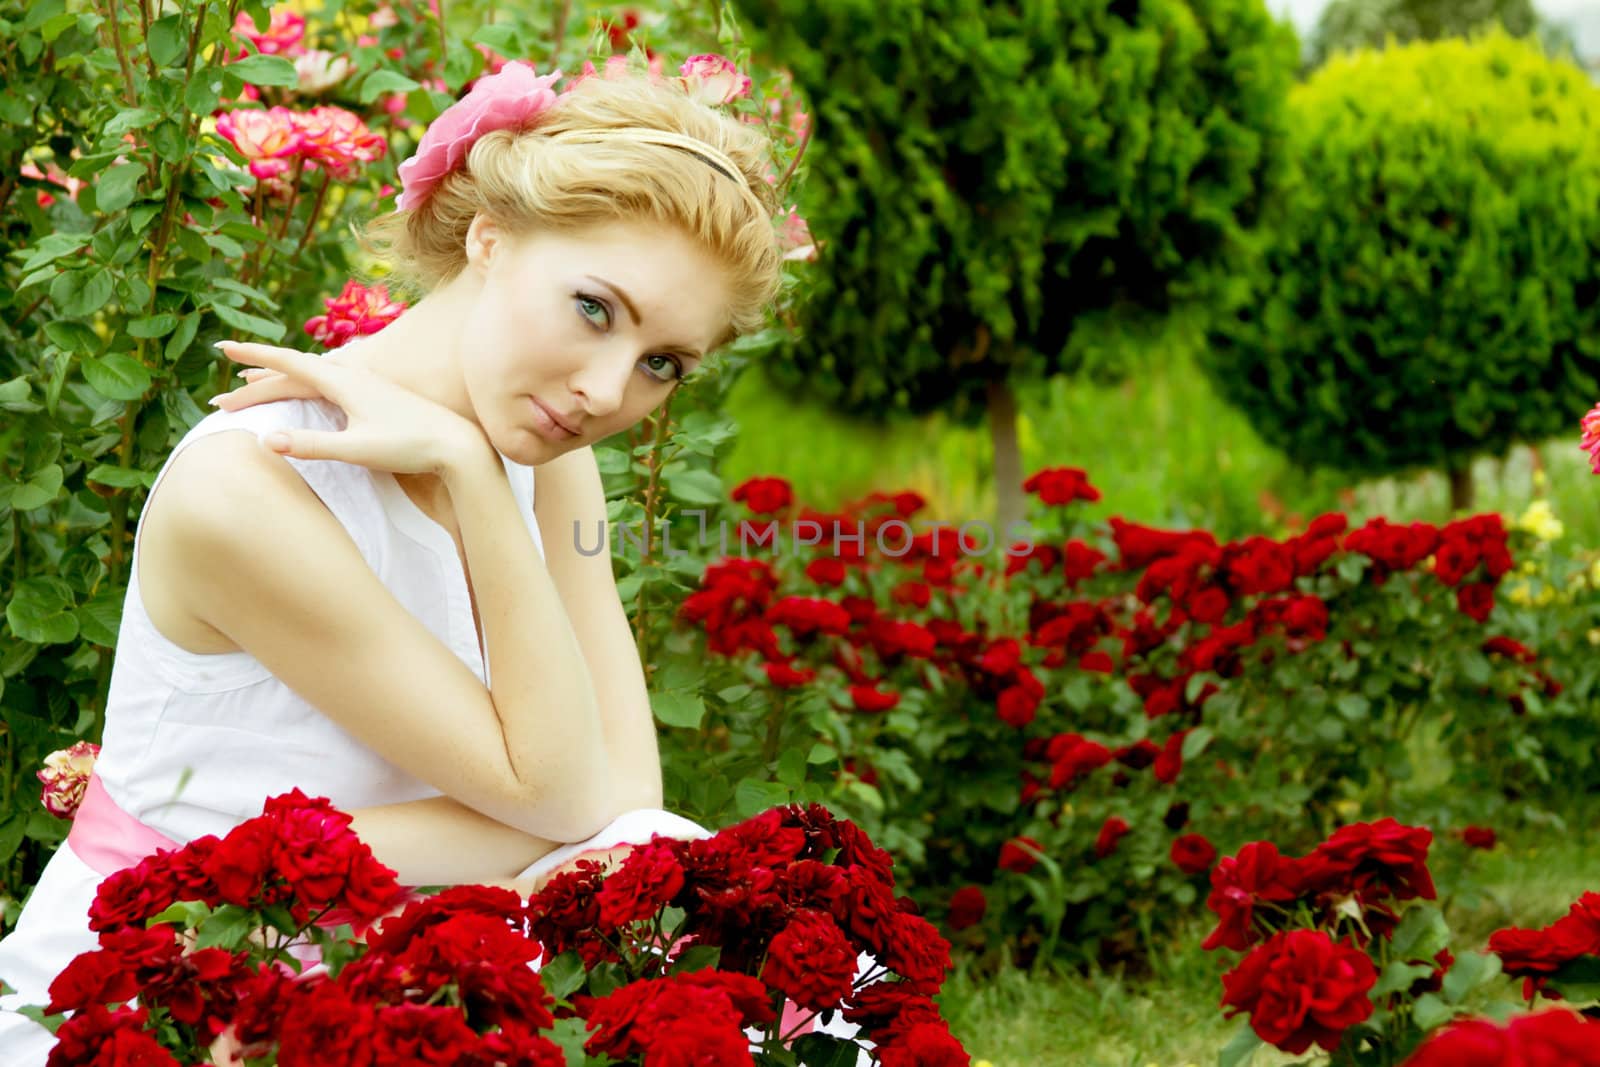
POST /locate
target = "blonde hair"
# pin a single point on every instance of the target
(579, 167)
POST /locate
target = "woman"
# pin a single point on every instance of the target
(328, 567)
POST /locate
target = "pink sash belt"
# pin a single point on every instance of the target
(107, 838)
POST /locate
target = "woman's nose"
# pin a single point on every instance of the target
(603, 382)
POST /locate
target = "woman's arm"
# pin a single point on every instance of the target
(541, 680)
(570, 505)
(440, 841)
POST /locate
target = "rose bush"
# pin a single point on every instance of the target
(284, 942)
(1103, 692)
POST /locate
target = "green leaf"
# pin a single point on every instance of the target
(12, 832)
(204, 91)
(166, 40)
(272, 331)
(40, 610)
(821, 753)
(41, 12)
(695, 486)
(16, 391)
(131, 118)
(753, 796)
(384, 81)
(1429, 1012)
(1421, 935)
(825, 1050)
(1241, 1049)
(57, 26)
(1399, 976)
(180, 341)
(186, 914)
(792, 768)
(1195, 742)
(503, 39)
(72, 336)
(227, 927)
(563, 975)
(116, 376)
(697, 958)
(116, 187)
(53, 247)
(100, 619)
(121, 477)
(265, 70)
(677, 708)
(153, 325)
(1472, 970)
(1353, 706)
(39, 489)
(76, 293)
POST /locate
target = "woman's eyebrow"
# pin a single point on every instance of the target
(633, 312)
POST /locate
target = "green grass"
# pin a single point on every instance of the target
(1172, 1019)
(1163, 448)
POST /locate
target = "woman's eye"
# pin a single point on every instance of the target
(671, 367)
(588, 306)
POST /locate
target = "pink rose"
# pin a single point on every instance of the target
(268, 139)
(713, 79)
(337, 139)
(1591, 437)
(356, 312)
(282, 36)
(512, 98)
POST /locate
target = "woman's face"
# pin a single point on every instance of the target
(577, 336)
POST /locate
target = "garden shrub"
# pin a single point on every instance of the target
(1428, 288)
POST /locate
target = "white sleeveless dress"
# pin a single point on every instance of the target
(194, 744)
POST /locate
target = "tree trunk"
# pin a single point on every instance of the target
(1460, 486)
(1007, 458)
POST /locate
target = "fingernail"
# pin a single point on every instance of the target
(278, 441)
(218, 344)
(215, 401)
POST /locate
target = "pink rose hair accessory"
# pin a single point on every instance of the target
(510, 99)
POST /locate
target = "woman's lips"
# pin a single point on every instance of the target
(547, 423)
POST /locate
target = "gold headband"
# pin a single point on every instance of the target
(717, 159)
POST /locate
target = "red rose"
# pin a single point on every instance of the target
(1020, 855)
(1080, 561)
(927, 1044)
(804, 615)
(1479, 837)
(1016, 706)
(764, 496)
(1301, 989)
(1169, 764)
(96, 1035)
(869, 698)
(967, 907)
(1112, 831)
(1382, 857)
(1193, 853)
(915, 951)
(421, 1035)
(1073, 756)
(811, 962)
(912, 594)
(132, 895)
(784, 676)
(647, 880)
(1476, 601)
(1547, 1039)
(1257, 872)
(1061, 486)
(1097, 662)
(827, 571)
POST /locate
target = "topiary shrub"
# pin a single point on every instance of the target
(996, 188)
(1429, 289)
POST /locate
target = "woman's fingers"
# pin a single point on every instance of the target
(287, 361)
(264, 389)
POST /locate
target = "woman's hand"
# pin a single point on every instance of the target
(388, 427)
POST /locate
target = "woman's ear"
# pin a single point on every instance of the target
(485, 240)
